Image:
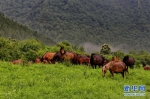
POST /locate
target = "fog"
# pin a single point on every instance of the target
(91, 48)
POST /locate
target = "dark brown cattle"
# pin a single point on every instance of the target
(97, 59)
(145, 67)
(83, 59)
(105, 61)
(129, 61)
(114, 67)
(57, 57)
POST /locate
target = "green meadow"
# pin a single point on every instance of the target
(66, 81)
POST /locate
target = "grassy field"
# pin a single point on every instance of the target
(61, 81)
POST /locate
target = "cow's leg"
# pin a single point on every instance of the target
(112, 73)
(95, 66)
(127, 69)
(99, 66)
(80, 63)
(122, 74)
(89, 64)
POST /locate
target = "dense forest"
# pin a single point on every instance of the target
(123, 23)
(13, 30)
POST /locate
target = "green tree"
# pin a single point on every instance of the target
(66, 45)
(5, 49)
(118, 54)
(105, 49)
(30, 48)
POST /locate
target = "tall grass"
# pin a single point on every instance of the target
(61, 81)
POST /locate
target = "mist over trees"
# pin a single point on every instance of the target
(122, 23)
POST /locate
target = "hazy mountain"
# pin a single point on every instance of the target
(124, 24)
(11, 29)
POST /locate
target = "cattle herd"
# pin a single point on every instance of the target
(115, 65)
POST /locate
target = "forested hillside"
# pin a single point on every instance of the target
(123, 23)
(12, 30)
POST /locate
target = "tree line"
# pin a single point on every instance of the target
(29, 49)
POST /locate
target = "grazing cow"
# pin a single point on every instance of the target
(146, 67)
(114, 67)
(83, 59)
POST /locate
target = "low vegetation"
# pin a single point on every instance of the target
(60, 81)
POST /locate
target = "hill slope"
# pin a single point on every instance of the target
(11, 29)
(122, 23)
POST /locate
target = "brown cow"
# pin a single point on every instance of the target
(114, 67)
(47, 57)
(62, 55)
(83, 59)
(146, 67)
